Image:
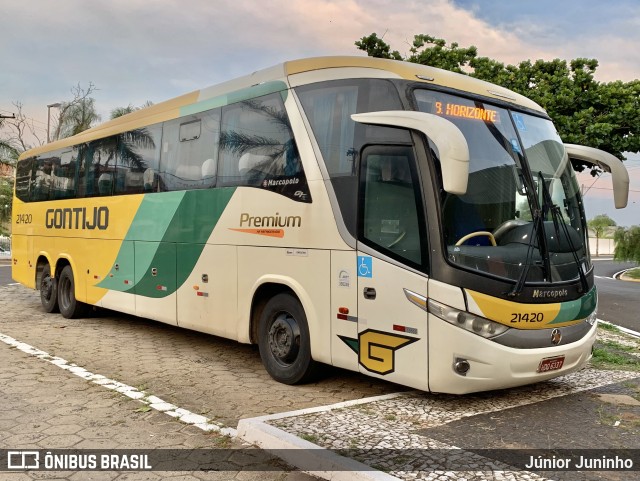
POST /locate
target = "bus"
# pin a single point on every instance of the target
(413, 224)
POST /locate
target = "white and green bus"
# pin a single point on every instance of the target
(412, 224)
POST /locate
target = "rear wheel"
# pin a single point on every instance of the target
(48, 290)
(284, 342)
(69, 306)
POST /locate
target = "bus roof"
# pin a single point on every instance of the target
(278, 78)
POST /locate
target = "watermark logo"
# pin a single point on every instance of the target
(23, 460)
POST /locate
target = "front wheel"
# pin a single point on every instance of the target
(284, 342)
(69, 306)
(48, 290)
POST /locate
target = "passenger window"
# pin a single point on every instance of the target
(97, 167)
(64, 175)
(189, 156)
(138, 160)
(41, 182)
(257, 148)
(390, 219)
(23, 178)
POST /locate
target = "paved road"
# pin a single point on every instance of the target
(5, 273)
(618, 301)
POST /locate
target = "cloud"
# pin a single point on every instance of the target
(136, 50)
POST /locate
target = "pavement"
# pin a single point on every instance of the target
(111, 382)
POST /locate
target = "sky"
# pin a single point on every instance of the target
(139, 50)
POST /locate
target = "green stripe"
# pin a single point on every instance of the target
(233, 97)
(169, 232)
(190, 228)
(578, 309)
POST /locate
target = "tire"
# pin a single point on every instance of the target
(283, 339)
(70, 308)
(49, 290)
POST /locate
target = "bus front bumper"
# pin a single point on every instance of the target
(494, 366)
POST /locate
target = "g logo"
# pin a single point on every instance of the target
(376, 349)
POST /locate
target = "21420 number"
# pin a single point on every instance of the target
(527, 317)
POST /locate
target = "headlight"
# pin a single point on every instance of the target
(472, 323)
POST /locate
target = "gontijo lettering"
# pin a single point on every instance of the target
(77, 218)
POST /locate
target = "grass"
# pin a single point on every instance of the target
(634, 273)
(608, 327)
(312, 438)
(613, 355)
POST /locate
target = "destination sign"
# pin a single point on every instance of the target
(448, 109)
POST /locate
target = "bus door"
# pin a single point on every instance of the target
(392, 323)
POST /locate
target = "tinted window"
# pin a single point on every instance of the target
(97, 167)
(257, 148)
(64, 175)
(328, 107)
(190, 151)
(41, 181)
(138, 160)
(23, 179)
(390, 210)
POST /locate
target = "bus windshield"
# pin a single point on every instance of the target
(518, 172)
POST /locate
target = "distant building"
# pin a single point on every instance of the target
(605, 244)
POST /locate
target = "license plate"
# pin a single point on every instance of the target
(551, 364)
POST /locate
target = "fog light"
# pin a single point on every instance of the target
(461, 366)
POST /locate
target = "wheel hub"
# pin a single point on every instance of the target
(46, 288)
(284, 338)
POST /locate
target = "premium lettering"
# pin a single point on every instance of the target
(77, 218)
(276, 220)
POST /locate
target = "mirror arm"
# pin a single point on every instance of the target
(608, 163)
(449, 139)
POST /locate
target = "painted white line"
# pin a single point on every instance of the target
(331, 407)
(621, 328)
(150, 400)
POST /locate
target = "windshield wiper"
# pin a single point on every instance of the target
(560, 224)
(538, 218)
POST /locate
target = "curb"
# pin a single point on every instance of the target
(622, 276)
(305, 455)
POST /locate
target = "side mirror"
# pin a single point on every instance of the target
(608, 163)
(450, 141)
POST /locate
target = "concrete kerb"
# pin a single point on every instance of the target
(304, 454)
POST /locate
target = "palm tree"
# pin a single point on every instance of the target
(77, 117)
(120, 111)
(282, 158)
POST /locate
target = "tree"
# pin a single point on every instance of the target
(601, 115)
(627, 244)
(77, 115)
(6, 195)
(18, 134)
(120, 111)
(598, 225)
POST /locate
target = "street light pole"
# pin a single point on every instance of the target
(56, 105)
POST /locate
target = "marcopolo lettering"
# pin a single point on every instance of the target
(77, 218)
(550, 294)
(276, 220)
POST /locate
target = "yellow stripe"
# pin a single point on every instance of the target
(515, 314)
